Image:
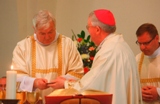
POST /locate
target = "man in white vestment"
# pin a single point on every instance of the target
(149, 62)
(114, 68)
(41, 58)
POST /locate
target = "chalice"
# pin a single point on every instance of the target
(32, 97)
(21, 96)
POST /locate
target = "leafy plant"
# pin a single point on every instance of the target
(86, 48)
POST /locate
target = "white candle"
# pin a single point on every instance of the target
(11, 85)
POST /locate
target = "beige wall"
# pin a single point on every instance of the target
(16, 15)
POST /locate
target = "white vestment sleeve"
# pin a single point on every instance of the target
(114, 70)
(67, 76)
(158, 91)
(26, 83)
(66, 84)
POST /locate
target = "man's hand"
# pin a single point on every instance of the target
(58, 83)
(40, 83)
(149, 93)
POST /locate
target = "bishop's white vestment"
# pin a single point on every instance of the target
(114, 71)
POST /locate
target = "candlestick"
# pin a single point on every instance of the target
(11, 85)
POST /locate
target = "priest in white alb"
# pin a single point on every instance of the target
(42, 57)
(149, 62)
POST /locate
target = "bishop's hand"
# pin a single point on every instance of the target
(58, 83)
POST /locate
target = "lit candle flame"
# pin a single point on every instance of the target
(11, 67)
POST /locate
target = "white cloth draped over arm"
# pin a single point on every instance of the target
(26, 83)
(20, 56)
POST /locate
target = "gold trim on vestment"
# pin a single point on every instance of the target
(150, 80)
(146, 80)
(140, 64)
(33, 56)
(55, 70)
(20, 72)
(75, 74)
(45, 71)
(59, 55)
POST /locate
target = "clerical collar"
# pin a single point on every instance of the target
(35, 37)
(155, 54)
(100, 45)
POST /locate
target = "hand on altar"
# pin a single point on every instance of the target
(149, 93)
(58, 83)
(40, 83)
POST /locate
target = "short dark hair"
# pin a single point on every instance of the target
(147, 27)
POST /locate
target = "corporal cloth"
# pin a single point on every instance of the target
(33, 60)
(114, 71)
(149, 70)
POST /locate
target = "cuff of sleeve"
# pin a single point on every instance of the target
(158, 91)
(66, 84)
(27, 84)
(68, 77)
(69, 84)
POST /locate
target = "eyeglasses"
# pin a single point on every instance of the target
(145, 43)
(88, 26)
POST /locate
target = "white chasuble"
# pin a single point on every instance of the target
(149, 71)
(33, 60)
(114, 71)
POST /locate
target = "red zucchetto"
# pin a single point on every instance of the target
(105, 16)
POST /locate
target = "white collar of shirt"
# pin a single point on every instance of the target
(35, 37)
(100, 45)
(155, 54)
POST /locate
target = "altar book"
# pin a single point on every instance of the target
(72, 96)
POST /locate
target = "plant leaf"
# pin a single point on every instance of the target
(83, 34)
(88, 38)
